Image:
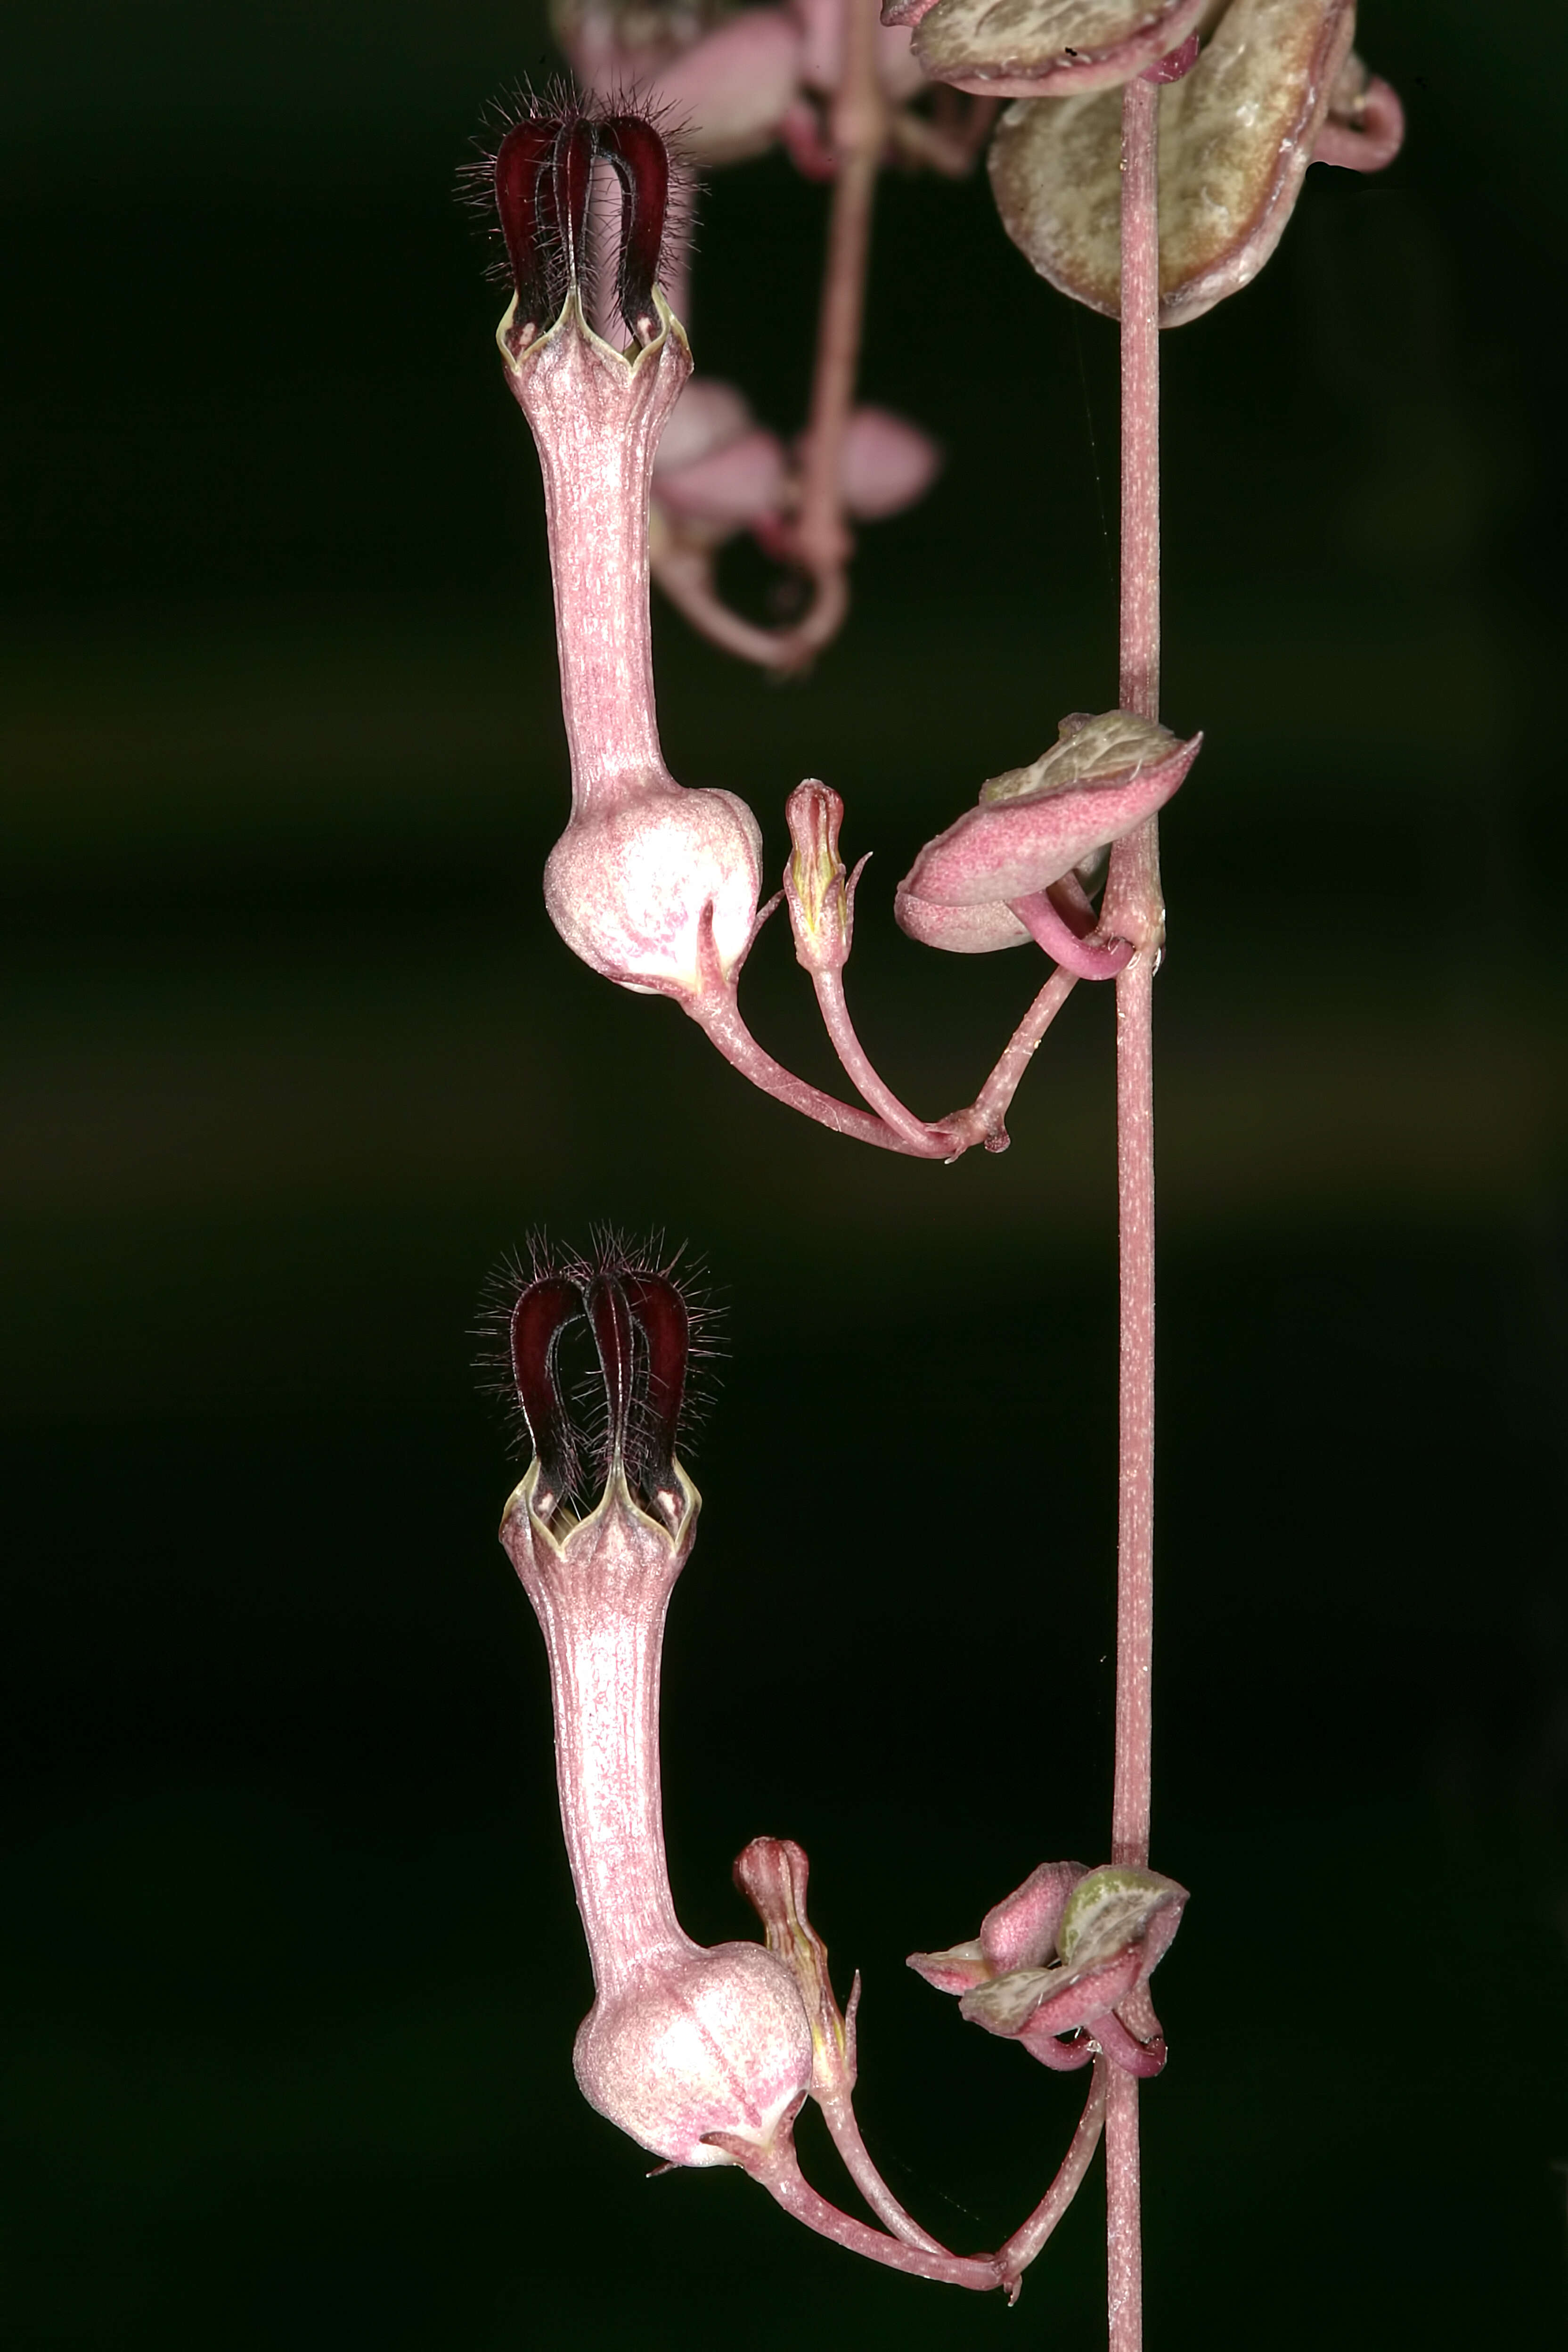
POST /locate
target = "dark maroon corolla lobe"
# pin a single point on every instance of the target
(640, 1327)
(573, 169)
(544, 179)
(525, 199)
(641, 163)
(660, 1313)
(610, 1319)
(542, 1314)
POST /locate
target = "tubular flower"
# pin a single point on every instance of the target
(650, 884)
(681, 2041)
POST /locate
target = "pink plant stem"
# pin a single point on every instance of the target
(859, 135)
(830, 998)
(1133, 910)
(839, 2117)
(1026, 2241)
(817, 534)
(992, 1102)
(718, 1016)
(777, 2167)
(1049, 929)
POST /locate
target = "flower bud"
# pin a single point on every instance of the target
(732, 90)
(821, 902)
(727, 78)
(771, 1873)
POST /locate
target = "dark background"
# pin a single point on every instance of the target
(292, 1968)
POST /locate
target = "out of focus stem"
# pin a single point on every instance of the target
(815, 536)
(859, 135)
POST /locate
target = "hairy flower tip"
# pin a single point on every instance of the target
(595, 1353)
(1035, 826)
(1237, 134)
(1034, 49)
(537, 181)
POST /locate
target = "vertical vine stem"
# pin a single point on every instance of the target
(859, 133)
(1134, 908)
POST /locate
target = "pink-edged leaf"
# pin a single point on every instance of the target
(1053, 2001)
(1034, 48)
(1236, 137)
(1034, 824)
(961, 931)
(1118, 1908)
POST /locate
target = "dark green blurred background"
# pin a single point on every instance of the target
(292, 1968)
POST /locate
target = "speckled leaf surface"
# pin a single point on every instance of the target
(1009, 48)
(1236, 138)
